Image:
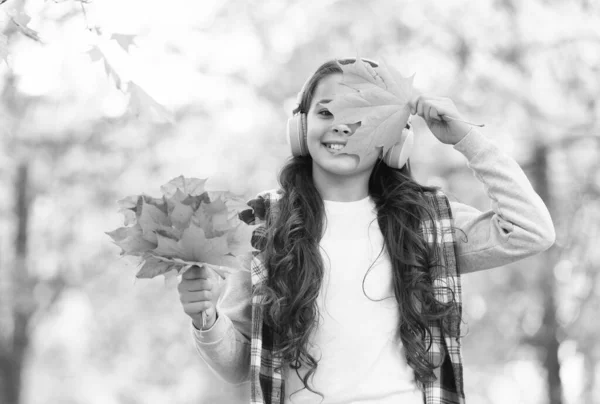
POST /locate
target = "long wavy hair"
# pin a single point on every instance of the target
(295, 268)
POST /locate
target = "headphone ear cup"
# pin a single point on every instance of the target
(296, 135)
(398, 155)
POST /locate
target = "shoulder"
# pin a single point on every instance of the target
(439, 201)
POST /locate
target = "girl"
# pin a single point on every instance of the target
(354, 296)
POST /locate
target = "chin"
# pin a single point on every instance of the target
(346, 165)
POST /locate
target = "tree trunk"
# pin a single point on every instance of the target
(14, 347)
(548, 340)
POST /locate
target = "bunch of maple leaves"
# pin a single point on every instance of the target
(187, 226)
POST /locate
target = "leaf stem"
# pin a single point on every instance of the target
(462, 120)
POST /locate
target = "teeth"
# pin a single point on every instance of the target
(335, 146)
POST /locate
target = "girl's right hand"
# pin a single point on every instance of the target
(198, 293)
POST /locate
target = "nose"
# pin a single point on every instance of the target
(342, 128)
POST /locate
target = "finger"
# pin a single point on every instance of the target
(420, 107)
(198, 307)
(413, 104)
(196, 297)
(433, 114)
(196, 272)
(426, 111)
(445, 107)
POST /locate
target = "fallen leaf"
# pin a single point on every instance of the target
(124, 41)
(112, 73)
(140, 101)
(95, 54)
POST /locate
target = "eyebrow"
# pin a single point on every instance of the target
(324, 101)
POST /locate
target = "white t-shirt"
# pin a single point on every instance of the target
(360, 361)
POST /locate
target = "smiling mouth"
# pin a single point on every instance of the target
(334, 146)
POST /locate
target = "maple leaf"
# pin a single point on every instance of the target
(131, 240)
(168, 247)
(129, 202)
(141, 101)
(152, 267)
(169, 232)
(201, 249)
(219, 213)
(21, 20)
(182, 265)
(202, 220)
(213, 218)
(95, 54)
(112, 73)
(151, 219)
(379, 103)
(187, 186)
(239, 240)
(157, 202)
(129, 216)
(237, 205)
(124, 41)
(181, 215)
(128, 206)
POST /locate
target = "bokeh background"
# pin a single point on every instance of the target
(101, 99)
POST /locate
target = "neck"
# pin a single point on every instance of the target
(341, 188)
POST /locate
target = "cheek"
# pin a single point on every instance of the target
(369, 160)
(314, 130)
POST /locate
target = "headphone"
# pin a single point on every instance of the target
(396, 157)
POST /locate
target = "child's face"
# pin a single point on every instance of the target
(321, 132)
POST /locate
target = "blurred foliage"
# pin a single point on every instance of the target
(200, 88)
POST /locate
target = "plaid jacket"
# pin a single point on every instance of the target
(267, 383)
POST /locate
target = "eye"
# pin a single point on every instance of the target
(324, 112)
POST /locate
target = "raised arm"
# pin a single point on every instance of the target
(518, 224)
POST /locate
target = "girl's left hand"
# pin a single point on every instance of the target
(434, 111)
